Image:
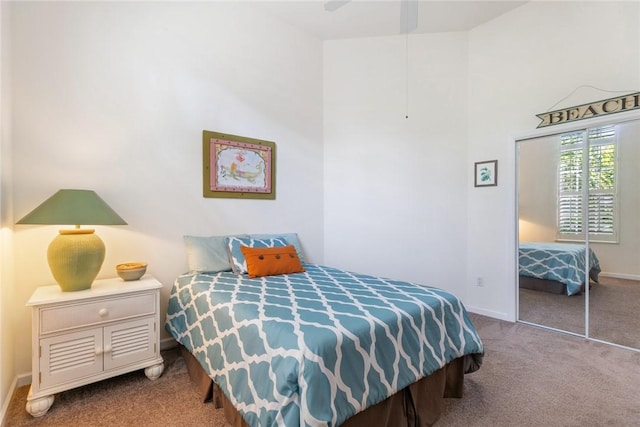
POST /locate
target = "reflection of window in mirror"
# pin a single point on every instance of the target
(555, 174)
(599, 165)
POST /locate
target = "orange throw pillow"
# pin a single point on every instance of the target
(271, 261)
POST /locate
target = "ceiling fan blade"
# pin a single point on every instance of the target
(408, 16)
(332, 5)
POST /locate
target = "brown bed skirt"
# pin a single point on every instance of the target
(552, 286)
(543, 285)
(418, 405)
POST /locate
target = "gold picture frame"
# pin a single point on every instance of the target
(238, 167)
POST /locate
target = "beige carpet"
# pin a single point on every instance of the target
(530, 377)
(128, 400)
(537, 377)
(613, 314)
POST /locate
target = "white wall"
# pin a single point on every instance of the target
(395, 188)
(521, 64)
(537, 189)
(114, 97)
(7, 332)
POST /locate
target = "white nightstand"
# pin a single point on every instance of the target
(82, 337)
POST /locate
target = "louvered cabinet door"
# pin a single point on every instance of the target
(129, 343)
(91, 335)
(70, 357)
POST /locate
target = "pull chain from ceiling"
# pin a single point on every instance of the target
(406, 75)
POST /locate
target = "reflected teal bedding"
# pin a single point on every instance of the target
(562, 262)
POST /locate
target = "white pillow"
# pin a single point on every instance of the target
(208, 254)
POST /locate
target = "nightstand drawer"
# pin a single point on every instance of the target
(53, 319)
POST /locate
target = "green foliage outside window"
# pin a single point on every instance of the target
(601, 180)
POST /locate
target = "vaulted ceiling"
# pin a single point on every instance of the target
(362, 18)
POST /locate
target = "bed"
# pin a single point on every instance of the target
(322, 346)
(555, 267)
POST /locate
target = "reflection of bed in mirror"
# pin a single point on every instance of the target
(555, 267)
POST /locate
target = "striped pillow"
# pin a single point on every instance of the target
(236, 257)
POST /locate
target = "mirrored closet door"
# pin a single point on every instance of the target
(614, 301)
(579, 230)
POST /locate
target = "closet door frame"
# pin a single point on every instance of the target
(579, 125)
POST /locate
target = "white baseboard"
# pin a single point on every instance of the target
(23, 379)
(5, 407)
(167, 343)
(490, 313)
(620, 275)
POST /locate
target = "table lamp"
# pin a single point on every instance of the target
(76, 255)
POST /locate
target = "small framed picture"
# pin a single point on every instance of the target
(486, 173)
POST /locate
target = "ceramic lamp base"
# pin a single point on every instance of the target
(75, 258)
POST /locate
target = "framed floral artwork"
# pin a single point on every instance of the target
(486, 173)
(238, 167)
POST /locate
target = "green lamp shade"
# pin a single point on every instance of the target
(75, 256)
(73, 207)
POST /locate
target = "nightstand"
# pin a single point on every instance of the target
(86, 336)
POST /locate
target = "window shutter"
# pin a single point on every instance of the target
(601, 172)
(570, 214)
(570, 186)
(601, 212)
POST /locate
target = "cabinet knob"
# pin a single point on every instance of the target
(103, 312)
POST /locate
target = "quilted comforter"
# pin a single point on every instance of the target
(314, 348)
(562, 262)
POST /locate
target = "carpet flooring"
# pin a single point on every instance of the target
(127, 400)
(613, 311)
(530, 377)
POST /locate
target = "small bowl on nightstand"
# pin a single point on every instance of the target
(131, 270)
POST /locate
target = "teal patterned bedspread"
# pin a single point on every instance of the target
(562, 262)
(314, 348)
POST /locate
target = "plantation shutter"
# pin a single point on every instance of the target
(602, 177)
(570, 185)
(601, 170)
